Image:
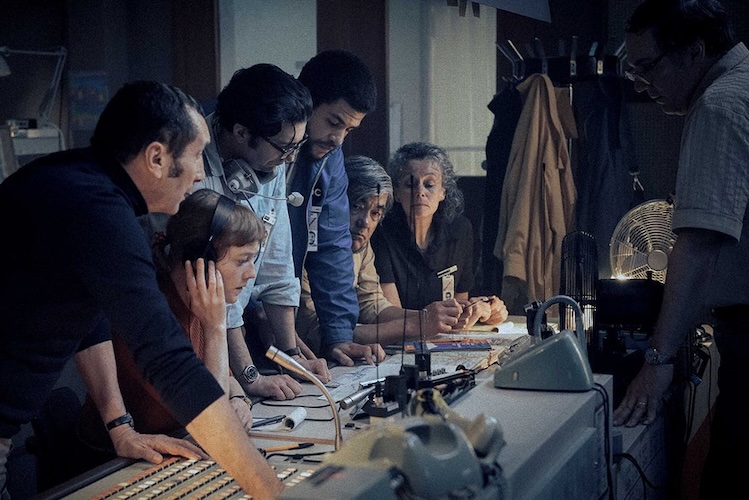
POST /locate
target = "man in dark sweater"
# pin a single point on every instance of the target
(78, 264)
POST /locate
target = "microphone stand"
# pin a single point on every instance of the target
(289, 363)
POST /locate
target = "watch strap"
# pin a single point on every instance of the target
(294, 351)
(124, 419)
(653, 357)
(244, 398)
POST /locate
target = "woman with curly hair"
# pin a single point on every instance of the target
(424, 249)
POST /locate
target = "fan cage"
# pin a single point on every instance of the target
(642, 242)
(579, 275)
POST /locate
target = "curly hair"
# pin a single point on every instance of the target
(399, 170)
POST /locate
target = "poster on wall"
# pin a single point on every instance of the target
(88, 94)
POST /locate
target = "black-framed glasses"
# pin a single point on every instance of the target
(287, 151)
(639, 76)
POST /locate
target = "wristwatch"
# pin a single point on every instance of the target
(124, 419)
(250, 374)
(294, 351)
(653, 357)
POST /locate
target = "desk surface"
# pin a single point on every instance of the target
(553, 440)
(540, 428)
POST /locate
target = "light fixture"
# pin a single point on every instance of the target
(60, 53)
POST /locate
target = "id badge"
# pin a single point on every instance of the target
(448, 282)
(312, 228)
(269, 220)
(448, 287)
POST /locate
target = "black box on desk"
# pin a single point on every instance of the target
(625, 317)
(626, 313)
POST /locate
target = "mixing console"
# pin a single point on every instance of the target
(182, 478)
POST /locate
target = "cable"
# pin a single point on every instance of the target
(292, 405)
(295, 199)
(302, 456)
(645, 481)
(692, 382)
(377, 301)
(691, 401)
(243, 179)
(607, 438)
(709, 369)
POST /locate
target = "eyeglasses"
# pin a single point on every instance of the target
(639, 76)
(288, 151)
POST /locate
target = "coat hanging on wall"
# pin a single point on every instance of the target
(506, 107)
(537, 207)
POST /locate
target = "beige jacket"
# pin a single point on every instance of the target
(537, 207)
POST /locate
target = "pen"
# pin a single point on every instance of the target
(268, 421)
(286, 447)
(476, 300)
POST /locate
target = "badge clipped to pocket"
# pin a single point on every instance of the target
(313, 222)
(314, 216)
(448, 282)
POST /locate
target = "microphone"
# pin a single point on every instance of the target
(291, 364)
(295, 199)
(354, 399)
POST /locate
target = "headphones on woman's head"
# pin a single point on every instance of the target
(205, 249)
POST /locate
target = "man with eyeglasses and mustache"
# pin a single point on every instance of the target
(343, 92)
(682, 53)
(258, 126)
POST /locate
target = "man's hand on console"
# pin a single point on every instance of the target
(644, 394)
(129, 443)
(278, 387)
(317, 366)
(346, 352)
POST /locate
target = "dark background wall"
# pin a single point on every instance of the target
(32, 25)
(166, 40)
(126, 40)
(175, 41)
(656, 135)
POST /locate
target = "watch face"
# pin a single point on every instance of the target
(653, 357)
(249, 374)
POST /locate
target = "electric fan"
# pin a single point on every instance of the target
(642, 241)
